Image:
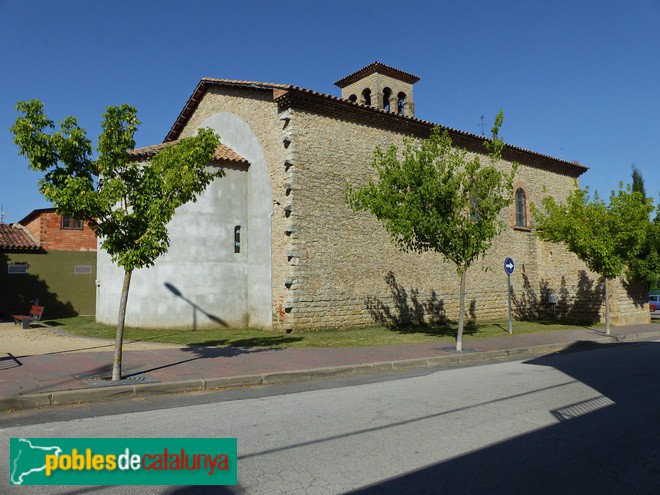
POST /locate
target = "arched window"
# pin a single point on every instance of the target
(521, 208)
(387, 94)
(353, 98)
(400, 103)
(366, 94)
(237, 239)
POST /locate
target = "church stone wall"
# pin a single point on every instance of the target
(346, 270)
(332, 267)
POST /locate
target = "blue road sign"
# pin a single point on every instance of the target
(508, 266)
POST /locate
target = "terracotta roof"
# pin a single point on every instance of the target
(287, 95)
(222, 152)
(15, 237)
(373, 68)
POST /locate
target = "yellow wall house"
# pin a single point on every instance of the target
(274, 245)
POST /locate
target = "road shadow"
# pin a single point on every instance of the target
(274, 342)
(607, 444)
(212, 349)
(208, 350)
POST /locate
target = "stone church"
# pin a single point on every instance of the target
(273, 244)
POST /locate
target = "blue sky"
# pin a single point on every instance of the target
(576, 80)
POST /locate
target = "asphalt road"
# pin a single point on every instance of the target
(581, 422)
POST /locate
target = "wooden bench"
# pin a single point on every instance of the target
(36, 312)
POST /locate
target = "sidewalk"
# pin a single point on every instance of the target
(28, 381)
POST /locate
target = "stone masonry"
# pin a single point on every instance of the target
(349, 272)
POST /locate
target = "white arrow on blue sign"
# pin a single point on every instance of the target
(508, 266)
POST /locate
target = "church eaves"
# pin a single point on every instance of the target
(288, 96)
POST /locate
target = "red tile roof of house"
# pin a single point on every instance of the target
(222, 152)
(15, 237)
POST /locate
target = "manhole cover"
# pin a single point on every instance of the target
(453, 349)
(105, 380)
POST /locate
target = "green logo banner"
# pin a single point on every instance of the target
(123, 461)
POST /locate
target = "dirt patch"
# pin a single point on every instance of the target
(39, 340)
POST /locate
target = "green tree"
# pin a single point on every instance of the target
(439, 198)
(128, 204)
(645, 267)
(638, 181)
(605, 236)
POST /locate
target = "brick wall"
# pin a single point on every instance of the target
(47, 230)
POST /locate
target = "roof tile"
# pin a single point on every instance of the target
(377, 67)
(222, 152)
(14, 237)
(575, 168)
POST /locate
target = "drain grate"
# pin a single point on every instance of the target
(105, 380)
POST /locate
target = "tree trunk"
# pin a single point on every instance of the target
(119, 337)
(461, 312)
(607, 306)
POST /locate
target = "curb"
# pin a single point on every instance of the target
(48, 399)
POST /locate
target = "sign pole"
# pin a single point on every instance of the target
(508, 279)
(509, 266)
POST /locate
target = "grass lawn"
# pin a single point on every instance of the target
(351, 337)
